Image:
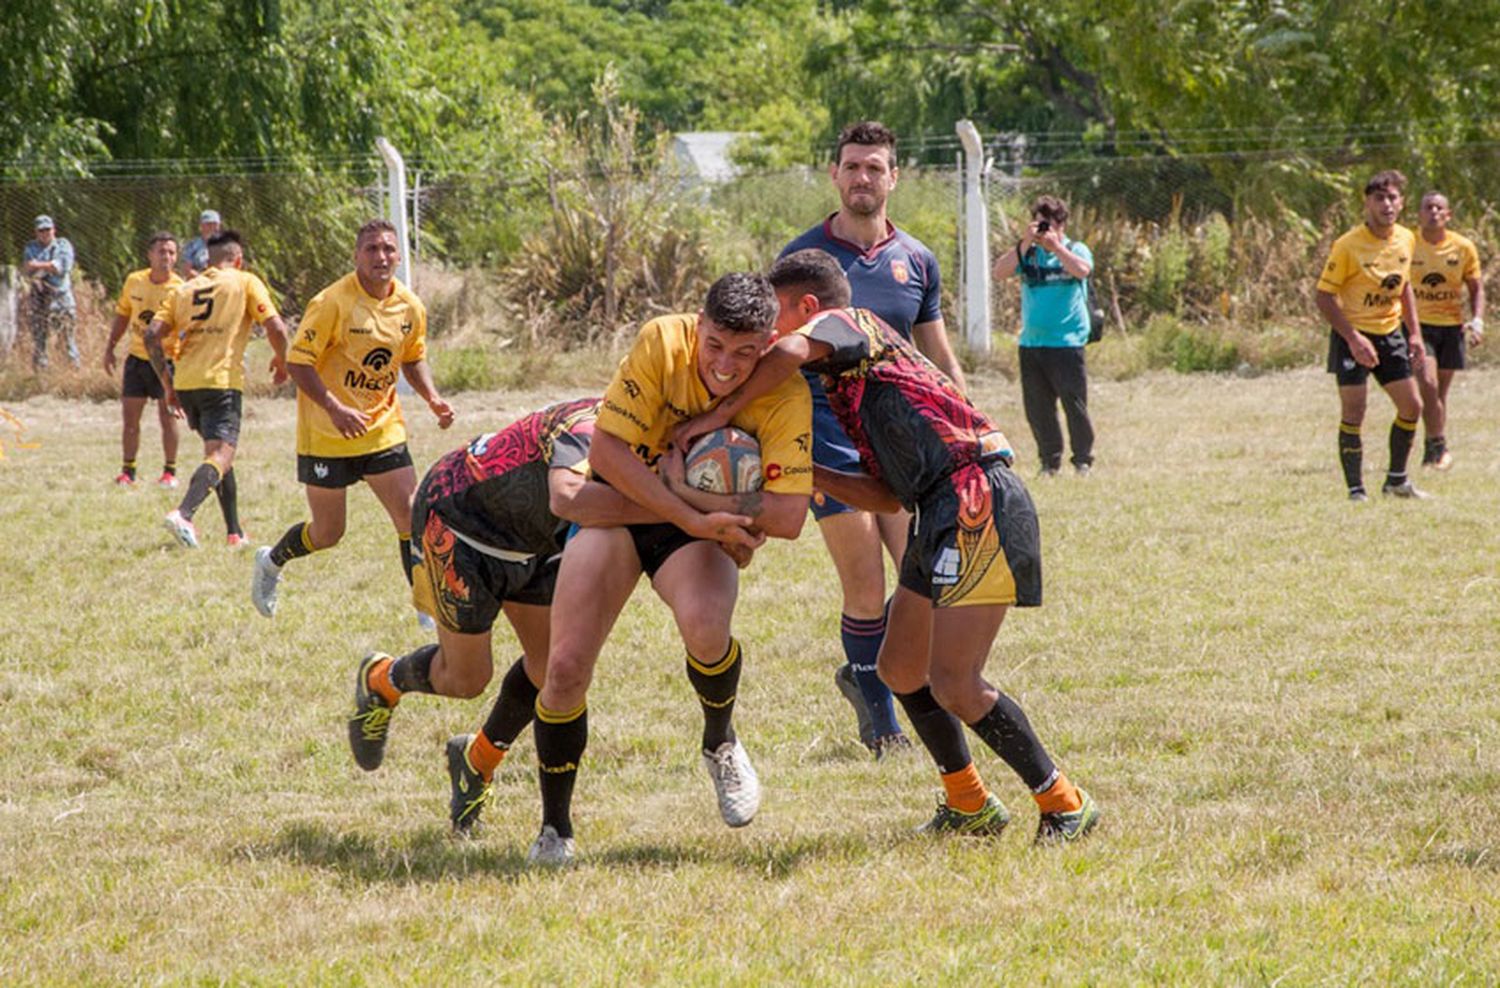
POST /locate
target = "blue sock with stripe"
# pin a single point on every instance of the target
(862, 638)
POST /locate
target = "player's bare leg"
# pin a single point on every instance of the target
(169, 440)
(854, 540)
(599, 571)
(701, 584)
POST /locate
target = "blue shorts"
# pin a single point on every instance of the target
(832, 449)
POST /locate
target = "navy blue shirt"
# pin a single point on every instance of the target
(897, 278)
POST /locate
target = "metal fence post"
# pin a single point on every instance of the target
(975, 223)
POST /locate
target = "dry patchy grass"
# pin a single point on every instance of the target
(1286, 704)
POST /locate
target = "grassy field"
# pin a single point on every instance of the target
(1288, 706)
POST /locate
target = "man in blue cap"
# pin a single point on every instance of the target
(195, 254)
(47, 263)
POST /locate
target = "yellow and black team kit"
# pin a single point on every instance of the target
(1367, 275)
(211, 317)
(1440, 273)
(657, 388)
(357, 344)
(139, 302)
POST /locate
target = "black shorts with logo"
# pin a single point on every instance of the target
(463, 586)
(139, 379)
(974, 539)
(345, 471)
(1390, 350)
(1445, 344)
(655, 543)
(213, 413)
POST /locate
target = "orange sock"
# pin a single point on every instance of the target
(1061, 797)
(379, 679)
(483, 756)
(965, 789)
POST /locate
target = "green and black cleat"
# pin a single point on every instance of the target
(469, 789)
(987, 821)
(1065, 828)
(371, 722)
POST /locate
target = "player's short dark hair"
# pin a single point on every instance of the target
(1433, 192)
(741, 302)
(869, 132)
(815, 272)
(159, 237)
(223, 244)
(1051, 209)
(1388, 180)
(377, 225)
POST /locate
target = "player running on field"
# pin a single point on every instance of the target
(973, 549)
(489, 520)
(1443, 266)
(1365, 295)
(677, 368)
(356, 336)
(894, 275)
(211, 316)
(141, 296)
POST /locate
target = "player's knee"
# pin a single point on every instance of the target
(568, 675)
(706, 635)
(325, 534)
(950, 687)
(465, 682)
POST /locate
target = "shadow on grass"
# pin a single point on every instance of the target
(432, 855)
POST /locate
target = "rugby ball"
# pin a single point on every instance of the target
(725, 461)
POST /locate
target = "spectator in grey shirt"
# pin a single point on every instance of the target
(47, 263)
(195, 254)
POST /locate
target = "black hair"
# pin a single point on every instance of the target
(816, 272)
(868, 132)
(741, 302)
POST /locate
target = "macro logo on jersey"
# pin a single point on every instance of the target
(377, 360)
(911, 425)
(1433, 279)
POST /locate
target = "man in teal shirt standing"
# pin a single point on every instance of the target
(1055, 323)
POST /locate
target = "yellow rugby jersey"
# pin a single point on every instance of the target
(1438, 273)
(357, 344)
(140, 300)
(657, 388)
(211, 318)
(1366, 274)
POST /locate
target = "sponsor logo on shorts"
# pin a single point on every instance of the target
(945, 570)
(320, 470)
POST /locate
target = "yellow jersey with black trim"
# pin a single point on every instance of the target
(139, 302)
(657, 388)
(357, 343)
(1366, 274)
(1438, 275)
(211, 316)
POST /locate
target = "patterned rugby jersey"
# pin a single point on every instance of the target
(357, 344)
(911, 425)
(494, 490)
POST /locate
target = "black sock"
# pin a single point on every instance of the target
(406, 560)
(1403, 434)
(128, 469)
(560, 741)
(942, 734)
(1432, 448)
(294, 544)
(1008, 733)
(169, 468)
(410, 673)
(717, 686)
(514, 707)
(229, 502)
(1351, 455)
(204, 479)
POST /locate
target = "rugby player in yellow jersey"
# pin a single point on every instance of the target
(356, 336)
(679, 366)
(211, 317)
(1365, 295)
(141, 296)
(1443, 266)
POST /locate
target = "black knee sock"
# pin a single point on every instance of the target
(294, 544)
(406, 560)
(1351, 455)
(942, 734)
(514, 707)
(560, 741)
(128, 468)
(204, 479)
(717, 686)
(1008, 733)
(410, 673)
(229, 502)
(1403, 434)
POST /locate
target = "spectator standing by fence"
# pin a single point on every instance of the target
(195, 254)
(51, 310)
(1055, 325)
